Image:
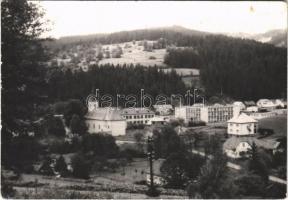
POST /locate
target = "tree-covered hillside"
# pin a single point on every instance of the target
(113, 80)
(240, 68)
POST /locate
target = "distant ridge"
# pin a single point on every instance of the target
(174, 28)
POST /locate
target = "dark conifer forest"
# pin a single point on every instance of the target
(239, 68)
(113, 80)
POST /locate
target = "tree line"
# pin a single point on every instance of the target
(242, 69)
(113, 80)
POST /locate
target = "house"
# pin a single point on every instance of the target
(240, 104)
(242, 125)
(249, 103)
(137, 115)
(266, 104)
(165, 109)
(252, 109)
(237, 147)
(158, 120)
(278, 103)
(107, 120)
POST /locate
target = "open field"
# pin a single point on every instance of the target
(120, 184)
(134, 54)
(277, 123)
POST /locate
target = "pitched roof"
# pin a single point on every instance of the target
(249, 103)
(136, 111)
(233, 142)
(238, 103)
(105, 114)
(242, 118)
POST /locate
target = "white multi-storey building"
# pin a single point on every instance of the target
(189, 113)
(209, 114)
(219, 113)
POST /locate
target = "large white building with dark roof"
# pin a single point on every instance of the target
(107, 120)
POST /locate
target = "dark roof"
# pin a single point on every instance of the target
(233, 142)
(249, 103)
(136, 111)
(105, 114)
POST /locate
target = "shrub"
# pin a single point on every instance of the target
(101, 144)
(135, 126)
(152, 57)
(7, 190)
(55, 126)
(61, 166)
(193, 124)
(81, 166)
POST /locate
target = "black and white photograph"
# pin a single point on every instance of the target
(143, 99)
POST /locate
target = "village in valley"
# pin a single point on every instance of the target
(181, 113)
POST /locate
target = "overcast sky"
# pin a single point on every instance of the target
(80, 17)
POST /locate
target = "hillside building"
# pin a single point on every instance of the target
(137, 115)
(163, 110)
(266, 104)
(242, 125)
(237, 147)
(107, 120)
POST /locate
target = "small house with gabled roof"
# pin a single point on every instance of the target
(242, 125)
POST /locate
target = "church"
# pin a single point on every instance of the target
(107, 120)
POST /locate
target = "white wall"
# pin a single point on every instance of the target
(180, 112)
(241, 129)
(113, 127)
(118, 128)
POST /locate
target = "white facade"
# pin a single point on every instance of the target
(106, 120)
(240, 104)
(266, 104)
(252, 109)
(165, 109)
(137, 115)
(188, 113)
(219, 113)
(208, 114)
(242, 147)
(242, 125)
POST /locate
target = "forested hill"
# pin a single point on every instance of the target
(240, 68)
(169, 33)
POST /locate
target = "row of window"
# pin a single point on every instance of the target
(138, 116)
(219, 109)
(94, 126)
(139, 122)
